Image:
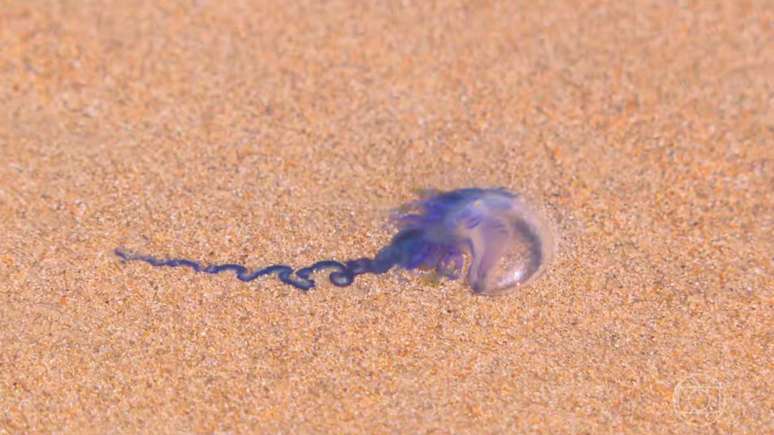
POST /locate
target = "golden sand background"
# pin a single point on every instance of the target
(261, 132)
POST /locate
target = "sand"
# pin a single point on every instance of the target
(260, 133)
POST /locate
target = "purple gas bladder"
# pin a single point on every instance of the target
(505, 242)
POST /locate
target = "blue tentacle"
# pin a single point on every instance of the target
(343, 274)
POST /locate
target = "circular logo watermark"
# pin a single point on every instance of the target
(698, 399)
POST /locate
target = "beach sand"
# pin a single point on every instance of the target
(263, 133)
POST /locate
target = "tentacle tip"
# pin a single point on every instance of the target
(123, 254)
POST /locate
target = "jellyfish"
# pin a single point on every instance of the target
(504, 242)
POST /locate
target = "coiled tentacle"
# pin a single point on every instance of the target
(343, 274)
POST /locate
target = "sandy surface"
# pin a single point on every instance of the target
(261, 133)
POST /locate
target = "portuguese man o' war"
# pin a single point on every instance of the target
(503, 241)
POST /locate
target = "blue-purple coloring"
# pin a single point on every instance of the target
(502, 240)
